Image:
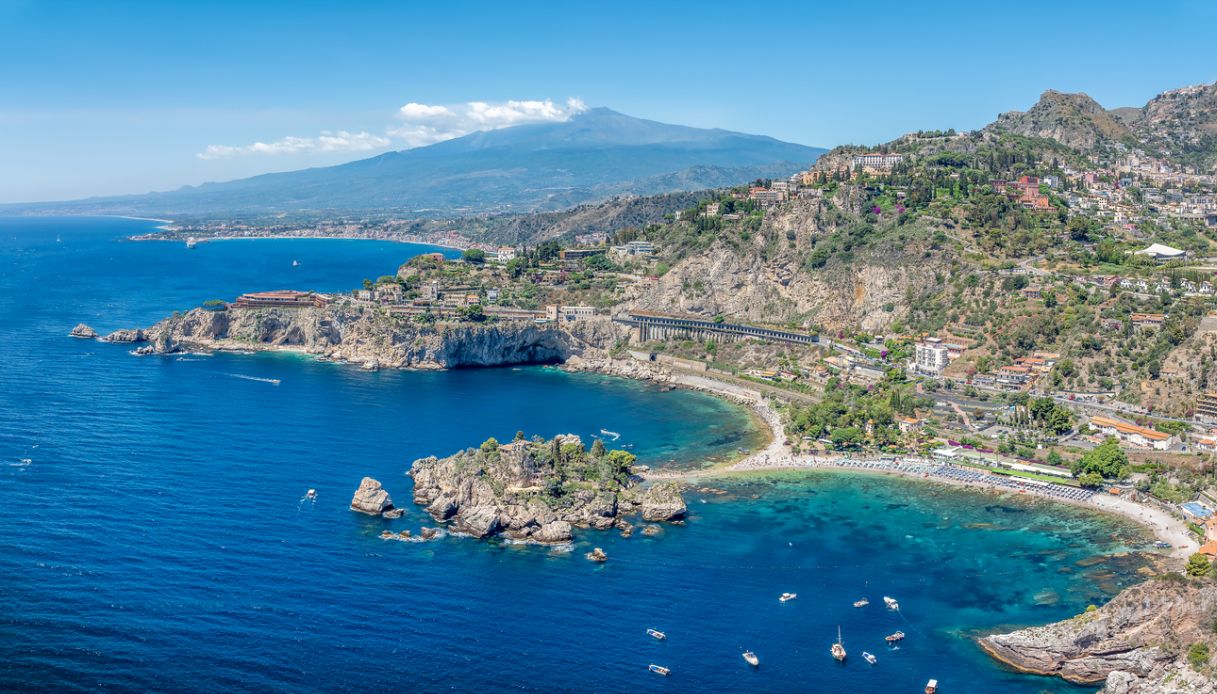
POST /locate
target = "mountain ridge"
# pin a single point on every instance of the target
(590, 157)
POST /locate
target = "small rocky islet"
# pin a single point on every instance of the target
(532, 490)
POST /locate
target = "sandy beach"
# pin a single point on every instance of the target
(776, 456)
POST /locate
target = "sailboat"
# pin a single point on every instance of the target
(838, 648)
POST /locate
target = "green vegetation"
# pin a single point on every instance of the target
(474, 255)
(1198, 655)
(1199, 566)
(1107, 460)
(852, 415)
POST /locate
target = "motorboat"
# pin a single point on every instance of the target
(891, 603)
(656, 634)
(311, 495)
(659, 669)
(894, 638)
(869, 658)
(931, 687)
(191, 242)
(751, 658)
(861, 603)
(787, 597)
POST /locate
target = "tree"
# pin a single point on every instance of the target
(1107, 459)
(598, 449)
(1054, 458)
(1199, 566)
(490, 445)
(474, 255)
(1090, 479)
(473, 313)
(516, 267)
(846, 437)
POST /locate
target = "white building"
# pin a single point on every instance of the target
(635, 248)
(1162, 253)
(932, 356)
(568, 314)
(879, 162)
(504, 254)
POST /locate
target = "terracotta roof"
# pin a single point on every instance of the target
(1126, 428)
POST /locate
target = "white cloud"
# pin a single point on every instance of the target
(424, 124)
(340, 141)
(417, 125)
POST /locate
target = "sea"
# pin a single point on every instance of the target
(155, 535)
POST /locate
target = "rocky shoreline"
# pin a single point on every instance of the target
(1137, 644)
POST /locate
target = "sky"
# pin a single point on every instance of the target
(101, 98)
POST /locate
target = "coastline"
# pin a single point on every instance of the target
(775, 457)
(206, 239)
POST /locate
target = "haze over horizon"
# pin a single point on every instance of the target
(136, 97)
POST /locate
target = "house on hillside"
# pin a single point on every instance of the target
(1133, 434)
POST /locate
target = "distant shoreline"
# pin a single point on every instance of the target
(281, 237)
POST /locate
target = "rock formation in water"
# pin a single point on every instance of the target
(83, 331)
(372, 336)
(1138, 643)
(537, 490)
(372, 499)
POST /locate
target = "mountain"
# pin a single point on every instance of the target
(592, 156)
(1074, 120)
(1179, 125)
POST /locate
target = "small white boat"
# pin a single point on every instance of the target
(894, 638)
(295, 263)
(869, 658)
(861, 603)
(891, 603)
(752, 659)
(656, 634)
(838, 648)
(659, 669)
(787, 597)
(311, 495)
(191, 242)
(931, 687)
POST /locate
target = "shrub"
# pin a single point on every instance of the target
(1198, 655)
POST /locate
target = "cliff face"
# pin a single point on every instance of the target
(767, 277)
(1138, 642)
(537, 490)
(1074, 120)
(372, 337)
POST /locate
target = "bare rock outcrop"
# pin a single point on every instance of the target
(663, 502)
(371, 498)
(125, 335)
(1138, 642)
(83, 331)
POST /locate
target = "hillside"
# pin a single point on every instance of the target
(592, 156)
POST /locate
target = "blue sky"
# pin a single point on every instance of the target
(121, 97)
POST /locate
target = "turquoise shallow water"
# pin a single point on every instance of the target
(155, 540)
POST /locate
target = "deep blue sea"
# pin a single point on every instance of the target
(153, 537)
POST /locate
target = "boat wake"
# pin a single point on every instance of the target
(272, 381)
(612, 434)
(24, 462)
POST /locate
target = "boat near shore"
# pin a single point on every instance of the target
(894, 638)
(656, 634)
(838, 648)
(891, 603)
(869, 658)
(861, 603)
(659, 669)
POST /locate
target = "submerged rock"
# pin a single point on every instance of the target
(371, 498)
(83, 331)
(651, 530)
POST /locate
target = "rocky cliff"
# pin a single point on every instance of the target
(1138, 642)
(809, 260)
(1074, 120)
(373, 337)
(538, 490)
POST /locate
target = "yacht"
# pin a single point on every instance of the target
(751, 658)
(311, 495)
(787, 597)
(838, 648)
(861, 603)
(894, 638)
(659, 669)
(656, 634)
(931, 687)
(891, 603)
(869, 658)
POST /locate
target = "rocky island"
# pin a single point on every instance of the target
(1147, 640)
(538, 491)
